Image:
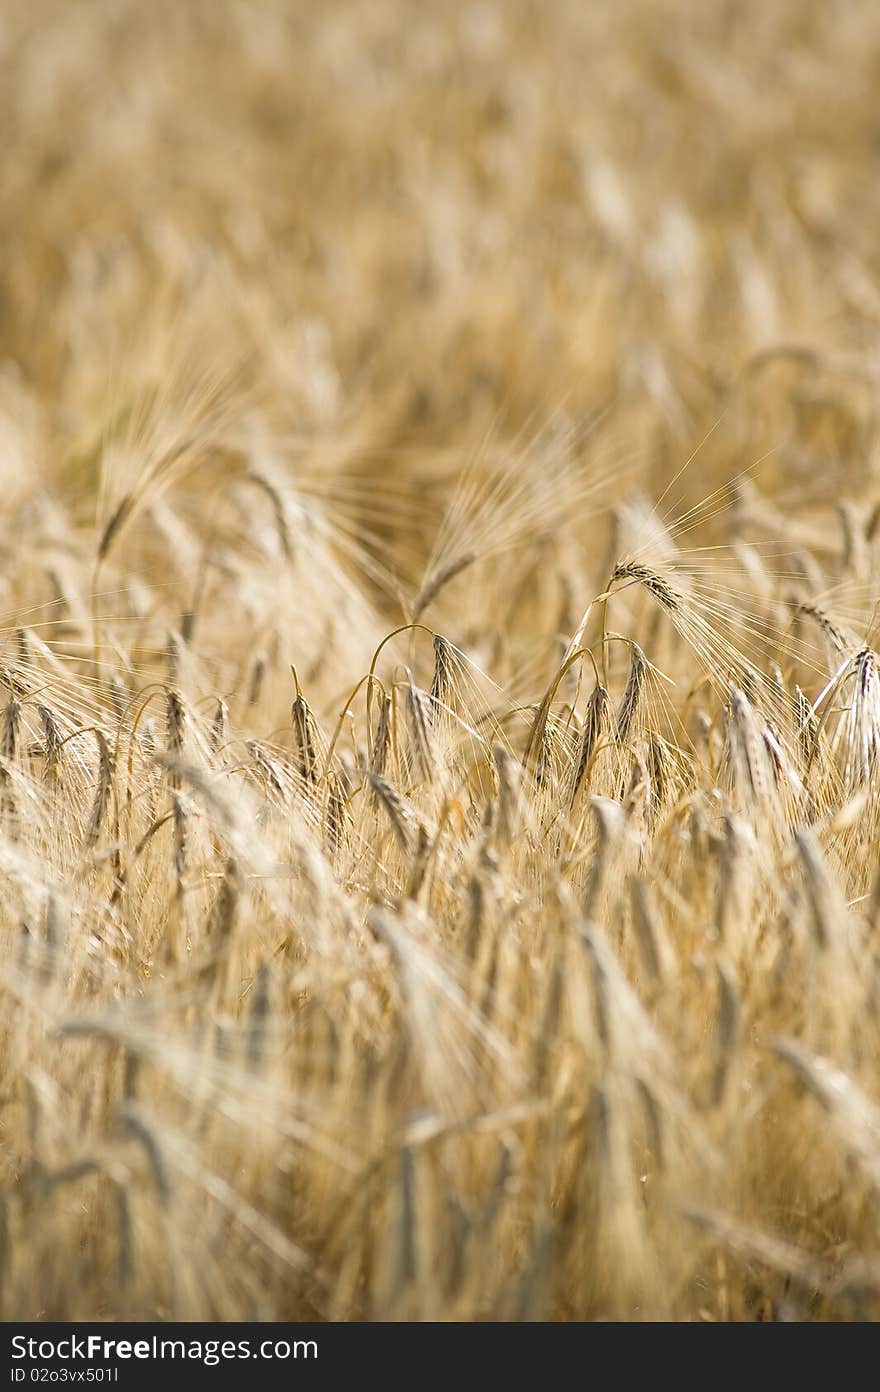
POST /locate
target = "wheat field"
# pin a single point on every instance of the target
(440, 728)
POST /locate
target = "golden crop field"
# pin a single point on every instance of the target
(440, 713)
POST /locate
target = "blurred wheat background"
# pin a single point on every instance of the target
(440, 731)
